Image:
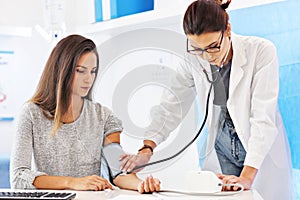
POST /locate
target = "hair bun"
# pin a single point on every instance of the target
(225, 5)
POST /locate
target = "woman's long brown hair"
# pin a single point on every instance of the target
(53, 94)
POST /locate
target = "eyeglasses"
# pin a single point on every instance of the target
(198, 51)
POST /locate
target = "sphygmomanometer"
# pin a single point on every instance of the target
(111, 155)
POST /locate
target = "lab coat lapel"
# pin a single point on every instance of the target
(238, 61)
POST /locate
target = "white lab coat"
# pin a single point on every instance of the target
(252, 104)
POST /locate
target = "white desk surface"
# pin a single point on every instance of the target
(132, 195)
(119, 194)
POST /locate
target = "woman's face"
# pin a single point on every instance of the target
(84, 74)
(212, 46)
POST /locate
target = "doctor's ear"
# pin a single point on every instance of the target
(228, 30)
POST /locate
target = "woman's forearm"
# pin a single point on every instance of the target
(53, 182)
(132, 182)
(128, 181)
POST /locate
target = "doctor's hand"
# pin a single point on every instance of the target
(149, 185)
(231, 179)
(246, 178)
(131, 161)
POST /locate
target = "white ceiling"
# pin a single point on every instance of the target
(28, 13)
(21, 13)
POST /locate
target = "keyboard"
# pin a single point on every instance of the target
(45, 195)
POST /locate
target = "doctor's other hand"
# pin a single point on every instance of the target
(231, 179)
(93, 182)
(149, 185)
(131, 161)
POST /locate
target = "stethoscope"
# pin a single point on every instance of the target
(211, 81)
(220, 67)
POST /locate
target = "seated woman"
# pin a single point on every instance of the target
(64, 130)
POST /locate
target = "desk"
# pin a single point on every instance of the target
(118, 194)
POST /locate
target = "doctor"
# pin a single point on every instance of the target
(246, 142)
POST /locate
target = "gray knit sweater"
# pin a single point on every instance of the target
(74, 150)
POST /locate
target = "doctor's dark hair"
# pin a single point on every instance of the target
(54, 90)
(204, 16)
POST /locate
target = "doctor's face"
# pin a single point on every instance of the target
(211, 46)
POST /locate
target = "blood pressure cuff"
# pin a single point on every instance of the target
(111, 155)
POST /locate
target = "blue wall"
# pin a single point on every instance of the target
(120, 8)
(280, 23)
(4, 172)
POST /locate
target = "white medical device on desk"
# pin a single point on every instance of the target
(201, 183)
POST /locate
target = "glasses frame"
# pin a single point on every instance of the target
(199, 51)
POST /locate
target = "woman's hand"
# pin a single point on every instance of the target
(149, 185)
(93, 182)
